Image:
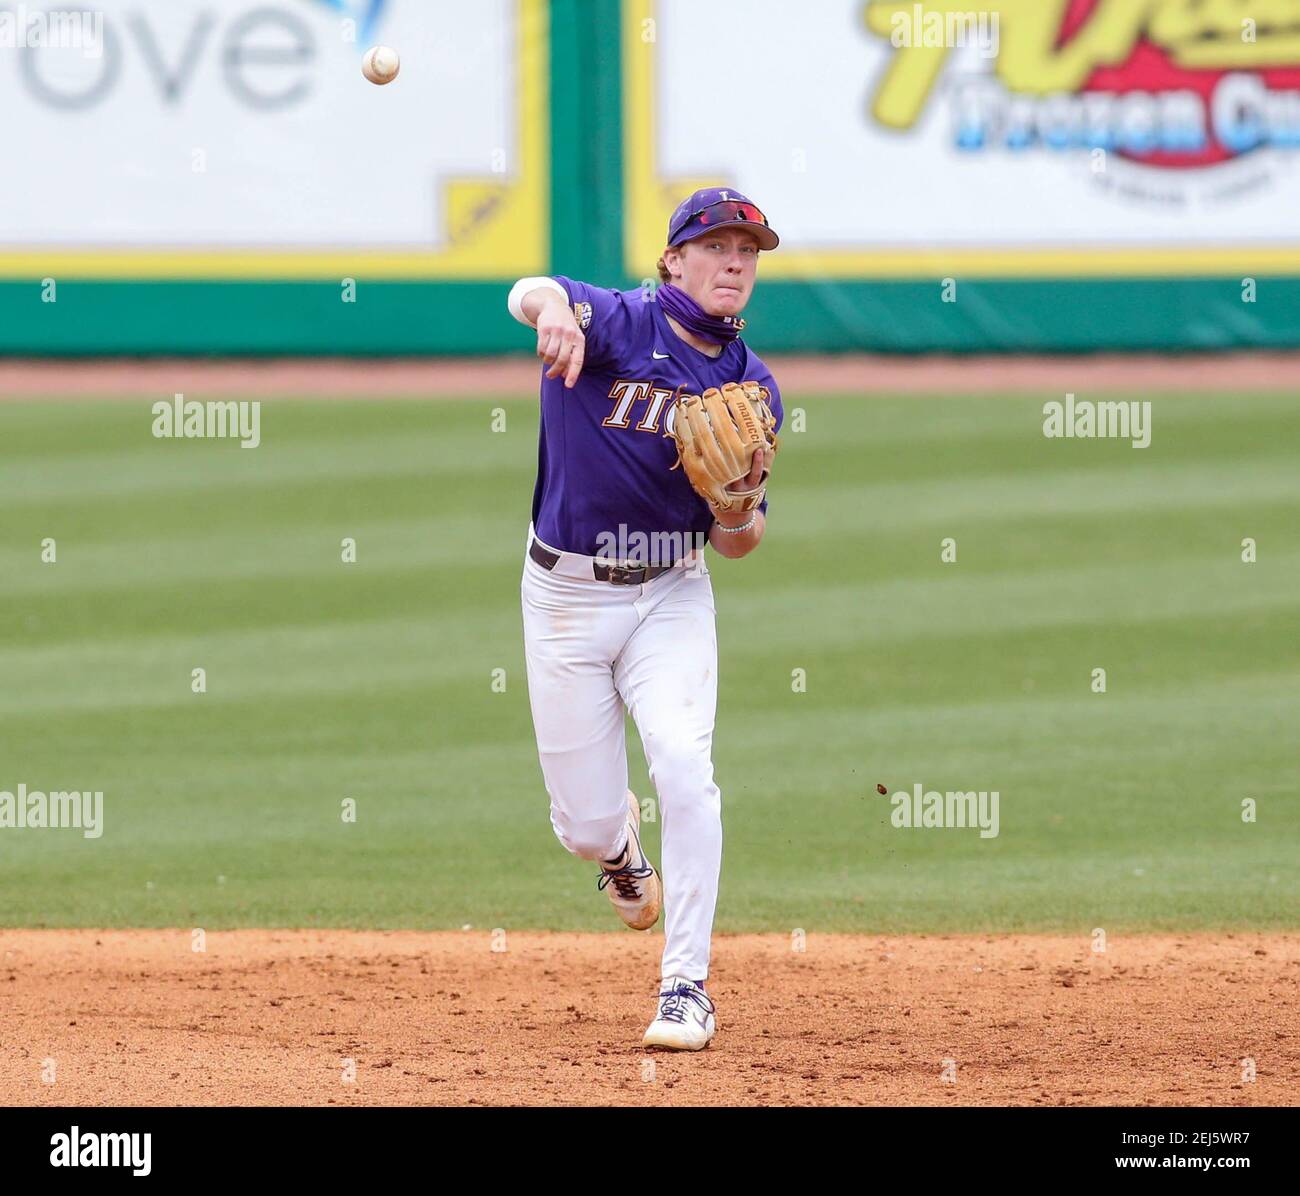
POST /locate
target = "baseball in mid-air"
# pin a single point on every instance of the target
(381, 64)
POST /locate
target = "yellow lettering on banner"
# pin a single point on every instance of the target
(912, 71)
(1196, 33)
(1179, 20)
(1207, 33)
(1034, 65)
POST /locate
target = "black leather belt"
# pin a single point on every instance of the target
(616, 575)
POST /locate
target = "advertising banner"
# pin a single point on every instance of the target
(238, 138)
(1050, 138)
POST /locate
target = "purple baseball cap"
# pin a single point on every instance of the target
(714, 208)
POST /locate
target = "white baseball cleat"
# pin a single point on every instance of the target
(631, 881)
(685, 1021)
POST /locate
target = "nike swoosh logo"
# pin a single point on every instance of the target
(659, 356)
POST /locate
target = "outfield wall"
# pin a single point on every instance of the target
(217, 178)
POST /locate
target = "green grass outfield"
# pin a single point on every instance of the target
(374, 681)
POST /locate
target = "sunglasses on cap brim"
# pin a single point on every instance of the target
(728, 211)
(724, 213)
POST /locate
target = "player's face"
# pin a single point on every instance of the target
(718, 270)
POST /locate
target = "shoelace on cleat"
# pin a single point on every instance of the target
(673, 1007)
(625, 881)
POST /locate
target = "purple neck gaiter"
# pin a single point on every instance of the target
(720, 330)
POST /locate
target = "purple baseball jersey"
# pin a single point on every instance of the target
(606, 449)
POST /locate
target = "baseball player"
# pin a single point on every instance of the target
(617, 602)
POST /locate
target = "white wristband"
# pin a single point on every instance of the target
(517, 292)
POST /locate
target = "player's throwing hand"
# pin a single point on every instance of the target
(560, 343)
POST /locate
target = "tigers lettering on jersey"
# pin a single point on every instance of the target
(626, 394)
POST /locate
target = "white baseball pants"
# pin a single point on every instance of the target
(594, 649)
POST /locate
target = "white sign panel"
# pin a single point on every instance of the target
(1021, 136)
(193, 126)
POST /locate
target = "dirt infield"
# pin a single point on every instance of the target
(508, 374)
(274, 1017)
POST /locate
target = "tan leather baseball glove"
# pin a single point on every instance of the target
(717, 435)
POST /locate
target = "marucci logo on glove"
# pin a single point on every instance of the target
(717, 435)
